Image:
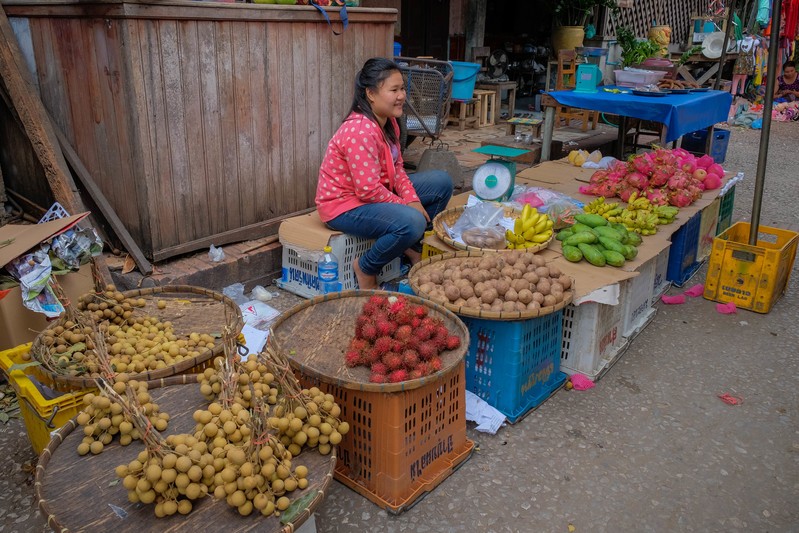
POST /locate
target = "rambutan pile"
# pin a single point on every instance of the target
(397, 340)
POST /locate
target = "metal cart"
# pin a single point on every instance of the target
(429, 86)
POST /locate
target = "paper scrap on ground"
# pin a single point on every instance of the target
(488, 419)
(254, 339)
(729, 399)
(258, 314)
(696, 290)
(673, 300)
(581, 382)
(726, 309)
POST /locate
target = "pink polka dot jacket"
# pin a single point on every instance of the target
(358, 169)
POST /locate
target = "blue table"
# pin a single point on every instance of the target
(679, 113)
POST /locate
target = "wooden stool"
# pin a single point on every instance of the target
(534, 123)
(488, 99)
(468, 112)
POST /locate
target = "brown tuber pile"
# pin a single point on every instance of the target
(508, 282)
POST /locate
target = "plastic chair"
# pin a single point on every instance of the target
(566, 80)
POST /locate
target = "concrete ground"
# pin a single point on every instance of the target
(650, 448)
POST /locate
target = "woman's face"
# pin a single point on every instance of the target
(789, 72)
(387, 100)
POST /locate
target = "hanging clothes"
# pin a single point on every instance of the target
(745, 63)
(790, 11)
(763, 13)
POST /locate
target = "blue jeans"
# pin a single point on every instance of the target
(395, 227)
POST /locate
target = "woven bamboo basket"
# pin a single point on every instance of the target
(84, 494)
(413, 277)
(315, 335)
(190, 309)
(451, 216)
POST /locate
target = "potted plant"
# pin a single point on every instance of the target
(635, 51)
(571, 16)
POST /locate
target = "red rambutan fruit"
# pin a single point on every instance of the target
(352, 358)
(427, 350)
(435, 364)
(378, 301)
(396, 346)
(379, 368)
(410, 359)
(403, 333)
(453, 342)
(359, 345)
(378, 378)
(416, 373)
(398, 375)
(369, 331)
(392, 360)
(420, 311)
(385, 328)
(383, 345)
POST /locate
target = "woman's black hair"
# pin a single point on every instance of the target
(371, 76)
(788, 64)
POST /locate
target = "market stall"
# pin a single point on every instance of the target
(679, 113)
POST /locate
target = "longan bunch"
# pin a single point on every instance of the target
(219, 425)
(102, 417)
(302, 417)
(68, 348)
(110, 305)
(259, 476)
(252, 377)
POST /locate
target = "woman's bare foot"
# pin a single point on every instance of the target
(365, 281)
(413, 256)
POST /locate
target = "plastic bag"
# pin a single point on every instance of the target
(560, 207)
(480, 226)
(235, 292)
(261, 294)
(33, 272)
(215, 254)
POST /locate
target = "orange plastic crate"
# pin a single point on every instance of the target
(753, 277)
(401, 445)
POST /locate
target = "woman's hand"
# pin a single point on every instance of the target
(418, 206)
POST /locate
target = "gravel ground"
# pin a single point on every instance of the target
(651, 448)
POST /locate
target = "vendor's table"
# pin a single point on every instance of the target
(498, 87)
(698, 60)
(679, 113)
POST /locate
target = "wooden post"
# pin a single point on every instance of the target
(24, 97)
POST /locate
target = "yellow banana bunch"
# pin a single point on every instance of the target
(665, 213)
(530, 229)
(640, 221)
(600, 207)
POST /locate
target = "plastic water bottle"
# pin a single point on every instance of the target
(328, 272)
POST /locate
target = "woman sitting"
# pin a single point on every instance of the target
(363, 189)
(787, 85)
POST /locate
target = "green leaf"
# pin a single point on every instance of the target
(23, 366)
(77, 347)
(297, 507)
(4, 419)
(113, 483)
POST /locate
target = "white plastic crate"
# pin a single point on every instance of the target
(637, 299)
(661, 283)
(299, 272)
(592, 338)
(707, 229)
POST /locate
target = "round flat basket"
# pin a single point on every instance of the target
(190, 309)
(434, 261)
(316, 333)
(451, 216)
(84, 493)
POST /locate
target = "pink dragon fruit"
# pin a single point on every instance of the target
(606, 189)
(712, 181)
(665, 157)
(657, 196)
(682, 153)
(661, 175)
(704, 162)
(680, 199)
(694, 191)
(599, 176)
(678, 181)
(643, 164)
(625, 192)
(637, 180)
(716, 169)
(689, 165)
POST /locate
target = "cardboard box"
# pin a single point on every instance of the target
(22, 237)
(19, 325)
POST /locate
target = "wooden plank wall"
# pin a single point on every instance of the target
(202, 130)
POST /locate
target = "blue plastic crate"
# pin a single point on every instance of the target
(682, 255)
(695, 142)
(514, 365)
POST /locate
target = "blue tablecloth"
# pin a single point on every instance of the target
(681, 113)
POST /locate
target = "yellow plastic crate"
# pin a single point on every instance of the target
(753, 277)
(41, 416)
(429, 250)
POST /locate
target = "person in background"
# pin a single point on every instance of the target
(363, 189)
(787, 85)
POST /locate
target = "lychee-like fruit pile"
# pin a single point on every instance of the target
(397, 340)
